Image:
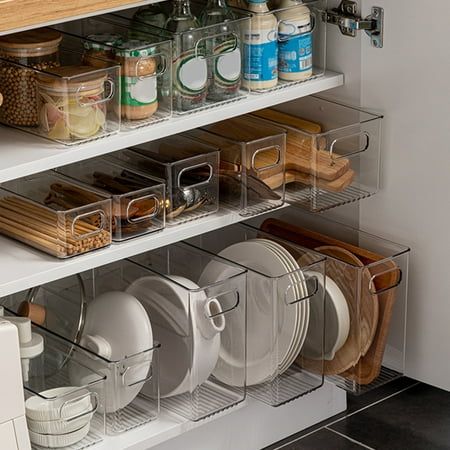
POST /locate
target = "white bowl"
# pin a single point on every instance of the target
(59, 426)
(59, 440)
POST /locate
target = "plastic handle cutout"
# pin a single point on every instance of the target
(112, 89)
(67, 404)
(233, 37)
(89, 214)
(350, 136)
(162, 67)
(131, 372)
(155, 200)
(311, 285)
(398, 280)
(196, 172)
(266, 158)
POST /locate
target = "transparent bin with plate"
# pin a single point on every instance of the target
(372, 274)
(55, 214)
(145, 60)
(207, 60)
(197, 305)
(285, 310)
(293, 35)
(332, 152)
(67, 100)
(92, 312)
(251, 175)
(189, 169)
(59, 410)
(137, 200)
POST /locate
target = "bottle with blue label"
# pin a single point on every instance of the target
(260, 48)
(294, 41)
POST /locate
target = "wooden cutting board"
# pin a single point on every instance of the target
(388, 276)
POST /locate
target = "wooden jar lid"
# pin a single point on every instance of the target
(42, 41)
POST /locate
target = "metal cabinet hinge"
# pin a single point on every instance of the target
(346, 17)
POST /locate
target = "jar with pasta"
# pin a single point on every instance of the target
(139, 83)
(21, 54)
(73, 103)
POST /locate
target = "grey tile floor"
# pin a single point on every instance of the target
(402, 415)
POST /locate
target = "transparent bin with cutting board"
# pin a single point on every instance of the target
(207, 60)
(55, 214)
(189, 169)
(285, 304)
(145, 60)
(251, 174)
(293, 38)
(111, 334)
(332, 152)
(197, 305)
(372, 274)
(137, 200)
(59, 410)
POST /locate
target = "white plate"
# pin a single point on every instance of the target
(262, 338)
(337, 322)
(120, 324)
(190, 341)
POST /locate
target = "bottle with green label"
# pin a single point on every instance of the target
(189, 68)
(223, 50)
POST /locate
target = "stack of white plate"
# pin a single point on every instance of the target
(277, 322)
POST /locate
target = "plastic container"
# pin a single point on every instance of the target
(60, 412)
(189, 169)
(204, 56)
(373, 275)
(130, 387)
(55, 214)
(285, 304)
(293, 37)
(332, 152)
(144, 58)
(137, 200)
(200, 324)
(251, 176)
(34, 49)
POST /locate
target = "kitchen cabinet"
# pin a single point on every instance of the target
(407, 81)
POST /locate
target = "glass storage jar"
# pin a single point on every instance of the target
(74, 106)
(34, 49)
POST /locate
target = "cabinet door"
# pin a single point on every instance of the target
(409, 80)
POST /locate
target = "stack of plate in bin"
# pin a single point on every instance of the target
(278, 318)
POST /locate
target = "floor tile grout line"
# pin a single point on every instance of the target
(349, 438)
(349, 415)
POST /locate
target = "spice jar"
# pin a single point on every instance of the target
(21, 53)
(139, 92)
(73, 103)
(99, 49)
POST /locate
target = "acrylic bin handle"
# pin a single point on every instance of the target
(197, 166)
(146, 216)
(397, 282)
(67, 403)
(101, 227)
(233, 37)
(268, 166)
(112, 89)
(310, 292)
(350, 136)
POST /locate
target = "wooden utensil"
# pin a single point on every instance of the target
(386, 275)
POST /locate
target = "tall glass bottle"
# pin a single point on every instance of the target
(190, 73)
(224, 67)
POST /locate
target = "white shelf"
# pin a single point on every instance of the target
(24, 267)
(251, 425)
(23, 154)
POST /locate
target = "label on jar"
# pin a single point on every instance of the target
(261, 55)
(295, 51)
(139, 91)
(190, 75)
(227, 66)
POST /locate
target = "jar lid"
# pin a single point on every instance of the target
(133, 48)
(85, 78)
(102, 41)
(39, 42)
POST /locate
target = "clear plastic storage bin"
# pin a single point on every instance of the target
(60, 412)
(293, 36)
(285, 310)
(145, 61)
(189, 169)
(332, 152)
(68, 100)
(207, 59)
(137, 200)
(251, 175)
(111, 334)
(372, 274)
(197, 305)
(55, 214)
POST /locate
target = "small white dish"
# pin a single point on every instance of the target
(59, 426)
(73, 402)
(336, 319)
(59, 440)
